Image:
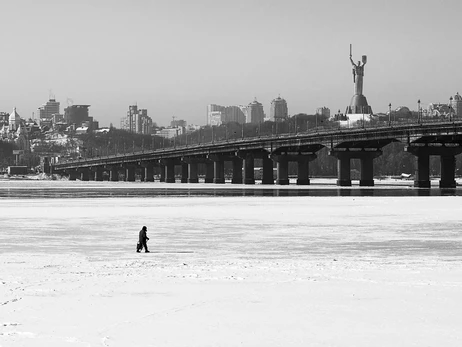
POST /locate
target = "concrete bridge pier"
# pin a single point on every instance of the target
(192, 172)
(448, 169)
(249, 168)
(367, 167)
(303, 161)
(267, 174)
(209, 172)
(162, 173)
(129, 173)
(148, 172)
(169, 170)
(282, 169)
(84, 174)
(192, 167)
(97, 174)
(218, 168)
(72, 175)
(422, 173)
(237, 170)
(114, 174)
(343, 168)
(366, 158)
(184, 172)
(142, 172)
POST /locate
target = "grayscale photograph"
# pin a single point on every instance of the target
(219, 173)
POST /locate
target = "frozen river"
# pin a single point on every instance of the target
(252, 268)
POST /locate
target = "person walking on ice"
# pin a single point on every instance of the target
(142, 242)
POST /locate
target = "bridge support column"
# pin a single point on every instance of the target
(448, 169)
(249, 168)
(367, 171)
(130, 174)
(73, 175)
(184, 172)
(303, 161)
(84, 174)
(162, 173)
(422, 173)
(219, 171)
(366, 158)
(169, 171)
(282, 169)
(237, 171)
(209, 172)
(149, 172)
(267, 174)
(97, 174)
(192, 174)
(343, 170)
(191, 166)
(447, 153)
(114, 174)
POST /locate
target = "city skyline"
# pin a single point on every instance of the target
(179, 57)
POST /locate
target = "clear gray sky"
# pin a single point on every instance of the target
(174, 57)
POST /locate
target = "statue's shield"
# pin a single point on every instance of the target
(364, 59)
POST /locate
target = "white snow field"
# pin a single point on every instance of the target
(231, 271)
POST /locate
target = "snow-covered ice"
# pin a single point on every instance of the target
(231, 271)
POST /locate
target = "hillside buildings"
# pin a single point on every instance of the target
(137, 121)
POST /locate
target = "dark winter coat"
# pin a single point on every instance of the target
(143, 236)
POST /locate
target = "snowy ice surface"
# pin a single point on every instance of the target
(229, 271)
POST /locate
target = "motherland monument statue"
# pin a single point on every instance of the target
(358, 103)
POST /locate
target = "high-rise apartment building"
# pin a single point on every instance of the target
(456, 104)
(255, 113)
(217, 115)
(137, 120)
(46, 111)
(279, 111)
(77, 114)
(234, 114)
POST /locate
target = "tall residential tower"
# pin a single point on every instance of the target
(279, 111)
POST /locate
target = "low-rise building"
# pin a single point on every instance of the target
(170, 133)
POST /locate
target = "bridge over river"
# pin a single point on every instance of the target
(423, 140)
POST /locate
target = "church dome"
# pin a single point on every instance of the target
(14, 117)
(457, 97)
